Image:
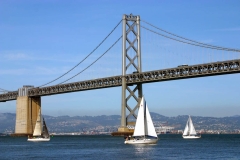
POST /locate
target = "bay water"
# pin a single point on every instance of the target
(104, 147)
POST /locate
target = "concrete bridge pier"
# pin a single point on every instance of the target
(27, 109)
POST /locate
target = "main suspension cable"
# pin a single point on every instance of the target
(201, 44)
(85, 57)
(92, 62)
(3, 90)
(205, 46)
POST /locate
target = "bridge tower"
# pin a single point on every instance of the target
(26, 112)
(131, 58)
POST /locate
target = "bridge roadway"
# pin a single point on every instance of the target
(181, 72)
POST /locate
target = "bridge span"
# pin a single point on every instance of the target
(28, 98)
(177, 73)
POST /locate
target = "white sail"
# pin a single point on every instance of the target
(139, 127)
(149, 128)
(186, 130)
(38, 125)
(144, 127)
(45, 133)
(192, 129)
(189, 131)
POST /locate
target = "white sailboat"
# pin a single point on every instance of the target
(189, 131)
(144, 132)
(40, 133)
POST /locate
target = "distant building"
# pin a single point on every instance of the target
(164, 129)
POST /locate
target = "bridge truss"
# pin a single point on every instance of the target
(183, 72)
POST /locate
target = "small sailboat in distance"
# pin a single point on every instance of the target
(189, 131)
(40, 133)
(144, 132)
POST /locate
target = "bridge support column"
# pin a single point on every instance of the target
(27, 109)
(130, 43)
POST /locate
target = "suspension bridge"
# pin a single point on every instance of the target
(198, 60)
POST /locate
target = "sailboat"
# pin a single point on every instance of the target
(40, 131)
(144, 132)
(189, 131)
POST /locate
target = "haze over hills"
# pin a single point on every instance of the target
(103, 123)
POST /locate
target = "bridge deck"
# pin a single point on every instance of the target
(181, 72)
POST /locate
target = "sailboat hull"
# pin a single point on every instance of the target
(38, 139)
(192, 137)
(141, 141)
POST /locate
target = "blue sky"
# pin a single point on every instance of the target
(41, 40)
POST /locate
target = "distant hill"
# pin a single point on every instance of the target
(7, 122)
(112, 122)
